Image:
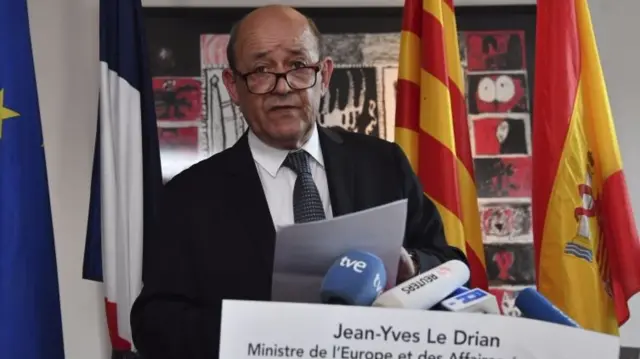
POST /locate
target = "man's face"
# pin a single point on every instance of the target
(284, 116)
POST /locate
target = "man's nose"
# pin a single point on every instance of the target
(282, 86)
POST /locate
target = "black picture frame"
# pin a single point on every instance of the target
(178, 30)
(511, 17)
(174, 27)
(164, 23)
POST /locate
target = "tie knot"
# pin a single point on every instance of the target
(298, 161)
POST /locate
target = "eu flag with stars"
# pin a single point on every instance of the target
(30, 320)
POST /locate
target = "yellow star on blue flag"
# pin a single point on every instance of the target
(5, 113)
(30, 320)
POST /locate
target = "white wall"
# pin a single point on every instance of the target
(614, 22)
(65, 45)
(65, 41)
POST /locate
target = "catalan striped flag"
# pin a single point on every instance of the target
(126, 177)
(586, 242)
(431, 123)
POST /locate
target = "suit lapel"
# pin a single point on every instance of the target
(251, 201)
(339, 170)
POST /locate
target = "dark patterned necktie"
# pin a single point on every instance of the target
(307, 205)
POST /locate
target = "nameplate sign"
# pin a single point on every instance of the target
(255, 330)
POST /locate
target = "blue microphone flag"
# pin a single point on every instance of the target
(534, 305)
(355, 278)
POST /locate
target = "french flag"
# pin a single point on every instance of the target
(127, 176)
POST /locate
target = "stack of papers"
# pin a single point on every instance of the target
(304, 252)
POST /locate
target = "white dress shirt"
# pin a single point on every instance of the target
(278, 181)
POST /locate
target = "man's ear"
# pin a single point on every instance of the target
(229, 79)
(326, 72)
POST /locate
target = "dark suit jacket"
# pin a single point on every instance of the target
(214, 237)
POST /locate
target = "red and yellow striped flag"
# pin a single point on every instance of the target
(431, 124)
(587, 248)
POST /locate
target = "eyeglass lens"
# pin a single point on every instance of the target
(298, 79)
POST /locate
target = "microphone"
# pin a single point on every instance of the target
(533, 305)
(472, 301)
(459, 290)
(355, 278)
(426, 289)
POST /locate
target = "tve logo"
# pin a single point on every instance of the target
(377, 282)
(358, 266)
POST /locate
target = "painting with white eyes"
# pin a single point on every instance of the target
(497, 92)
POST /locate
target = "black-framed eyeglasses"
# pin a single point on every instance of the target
(261, 83)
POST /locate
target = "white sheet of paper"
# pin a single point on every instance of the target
(304, 252)
(261, 330)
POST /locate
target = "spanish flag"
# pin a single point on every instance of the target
(431, 123)
(587, 248)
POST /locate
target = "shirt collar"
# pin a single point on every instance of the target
(271, 158)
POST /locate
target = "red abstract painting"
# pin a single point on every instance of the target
(495, 50)
(501, 136)
(177, 98)
(510, 264)
(503, 177)
(498, 93)
(505, 221)
(178, 139)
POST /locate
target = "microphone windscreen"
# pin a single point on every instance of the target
(426, 289)
(534, 305)
(472, 301)
(355, 278)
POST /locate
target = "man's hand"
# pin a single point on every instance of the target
(406, 267)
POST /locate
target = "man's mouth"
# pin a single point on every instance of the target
(284, 107)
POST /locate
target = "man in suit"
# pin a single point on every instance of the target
(215, 235)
